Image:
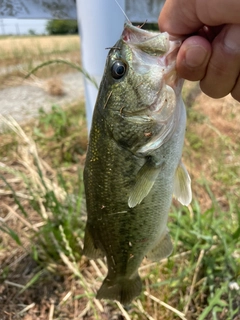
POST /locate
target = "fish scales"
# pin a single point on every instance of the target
(133, 164)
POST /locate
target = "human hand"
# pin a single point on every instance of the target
(211, 51)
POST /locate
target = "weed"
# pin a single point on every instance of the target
(196, 143)
(62, 134)
(22, 54)
(43, 213)
(200, 273)
(23, 49)
(65, 62)
(57, 119)
(47, 198)
(55, 87)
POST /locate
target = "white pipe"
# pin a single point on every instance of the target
(100, 26)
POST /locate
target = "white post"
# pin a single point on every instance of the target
(100, 26)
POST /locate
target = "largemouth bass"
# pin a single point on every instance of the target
(133, 164)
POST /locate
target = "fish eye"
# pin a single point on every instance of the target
(118, 69)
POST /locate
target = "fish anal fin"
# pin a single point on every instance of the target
(182, 185)
(89, 248)
(162, 250)
(145, 180)
(122, 289)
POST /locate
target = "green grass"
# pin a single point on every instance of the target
(50, 200)
(200, 279)
(214, 246)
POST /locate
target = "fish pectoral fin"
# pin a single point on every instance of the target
(182, 185)
(162, 250)
(145, 180)
(89, 249)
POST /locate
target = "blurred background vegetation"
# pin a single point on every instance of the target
(43, 274)
(54, 27)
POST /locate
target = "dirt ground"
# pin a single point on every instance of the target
(56, 293)
(23, 101)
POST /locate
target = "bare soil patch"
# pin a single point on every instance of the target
(23, 101)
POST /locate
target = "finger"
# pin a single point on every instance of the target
(236, 90)
(178, 17)
(182, 17)
(193, 58)
(217, 12)
(224, 65)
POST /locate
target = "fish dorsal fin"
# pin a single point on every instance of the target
(182, 185)
(145, 180)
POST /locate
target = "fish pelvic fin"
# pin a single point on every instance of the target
(123, 289)
(182, 185)
(162, 250)
(145, 180)
(90, 250)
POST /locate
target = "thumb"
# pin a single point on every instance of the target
(193, 58)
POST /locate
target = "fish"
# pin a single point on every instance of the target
(133, 164)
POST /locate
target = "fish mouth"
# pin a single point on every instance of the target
(137, 34)
(154, 48)
(153, 43)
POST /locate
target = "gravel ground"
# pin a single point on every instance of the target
(23, 102)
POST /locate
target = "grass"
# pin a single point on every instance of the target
(21, 50)
(19, 55)
(42, 217)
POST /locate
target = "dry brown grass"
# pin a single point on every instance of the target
(68, 293)
(217, 130)
(55, 87)
(21, 49)
(19, 55)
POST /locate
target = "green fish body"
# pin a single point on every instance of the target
(133, 164)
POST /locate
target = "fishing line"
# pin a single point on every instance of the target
(123, 12)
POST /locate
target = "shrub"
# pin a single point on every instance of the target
(62, 27)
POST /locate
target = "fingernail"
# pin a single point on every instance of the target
(195, 56)
(231, 38)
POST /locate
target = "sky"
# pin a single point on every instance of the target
(22, 26)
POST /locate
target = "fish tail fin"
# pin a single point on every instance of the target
(123, 289)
